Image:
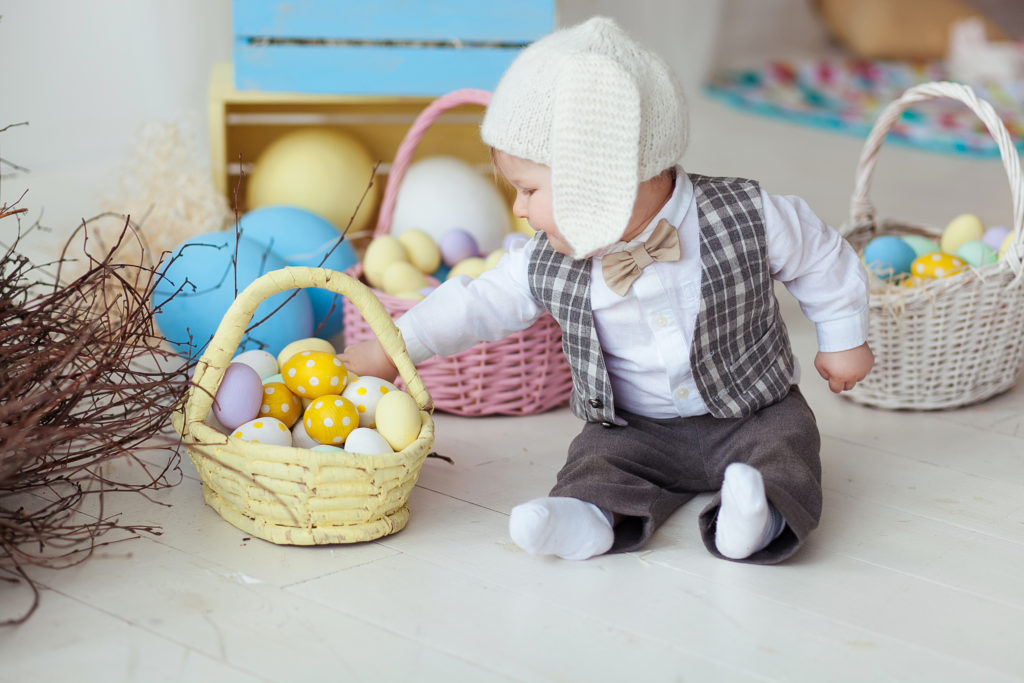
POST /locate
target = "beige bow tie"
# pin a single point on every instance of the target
(622, 268)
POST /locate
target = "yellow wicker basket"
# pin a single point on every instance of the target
(294, 495)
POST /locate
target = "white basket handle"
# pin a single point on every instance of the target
(863, 212)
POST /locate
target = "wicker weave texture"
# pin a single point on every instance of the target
(294, 495)
(953, 341)
(523, 374)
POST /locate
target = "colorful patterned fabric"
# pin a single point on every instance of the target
(848, 95)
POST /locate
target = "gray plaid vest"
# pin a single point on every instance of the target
(740, 358)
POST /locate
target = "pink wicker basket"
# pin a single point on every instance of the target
(523, 374)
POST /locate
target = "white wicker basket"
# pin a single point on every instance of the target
(956, 340)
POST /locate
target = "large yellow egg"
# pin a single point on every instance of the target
(381, 253)
(308, 344)
(398, 419)
(280, 403)
(472, 266)
(322, 170)
(936, 265)
(310, 374)
(422, 249)
(330, 419)
(402, 276)
(964, 228)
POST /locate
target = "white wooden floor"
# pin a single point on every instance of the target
(915, 574)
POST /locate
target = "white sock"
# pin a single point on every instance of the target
(567, 527)
(747, 522)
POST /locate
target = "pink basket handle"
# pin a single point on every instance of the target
(403, 156)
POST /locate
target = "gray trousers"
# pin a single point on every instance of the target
(644, 471)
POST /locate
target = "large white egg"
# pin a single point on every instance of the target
(300, 438)
(260, 360)
(440, 193)
(267, 430)
(366, 393)
(367, 441)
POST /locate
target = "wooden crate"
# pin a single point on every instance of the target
(243, 123)
(381, 47)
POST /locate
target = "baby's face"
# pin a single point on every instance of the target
(532, 183)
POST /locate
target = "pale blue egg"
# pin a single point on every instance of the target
(303, 238)
(977, 253)
(198, 282)
(888, 256)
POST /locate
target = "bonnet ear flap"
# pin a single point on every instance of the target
(595, 140)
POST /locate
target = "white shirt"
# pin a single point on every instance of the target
(646, 335)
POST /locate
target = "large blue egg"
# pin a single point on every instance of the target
(888, 256)
(198, 284)
(303, 238)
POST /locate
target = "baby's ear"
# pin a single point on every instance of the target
(595, 141)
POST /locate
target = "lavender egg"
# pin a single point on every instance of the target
(457, 245)
(239, 396)
(995, 235)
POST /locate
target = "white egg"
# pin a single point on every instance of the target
(300, 439)
(398, 419)
(268, 430)
(260, 360)
(366, 393)
(327, 448)
(367, 442)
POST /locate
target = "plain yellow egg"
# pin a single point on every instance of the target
(522, 225)
(308, 344)
(413, 295)
(398, 419)
(493, 258)
(402, 276)
(1005, 245)
(964, 228)
(422, 250)
(381, 253)
(472, 267)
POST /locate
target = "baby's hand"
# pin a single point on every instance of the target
(369, 358)
(843, 369)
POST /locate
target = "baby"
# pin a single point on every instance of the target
(662, 283)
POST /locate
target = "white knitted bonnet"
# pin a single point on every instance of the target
(603, 112)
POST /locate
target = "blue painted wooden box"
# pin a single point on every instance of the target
(381, 47)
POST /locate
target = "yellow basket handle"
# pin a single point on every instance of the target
(214, 362)
(862, 212)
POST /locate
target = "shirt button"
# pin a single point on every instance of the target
(660, 321)
(595, 403)
(682, 392)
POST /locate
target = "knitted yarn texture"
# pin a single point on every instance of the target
(603, 112)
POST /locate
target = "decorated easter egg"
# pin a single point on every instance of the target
(303, 238)
(457, 245)
(238, 397)
(307, 344)
(320, 169)
(398, 419)
(300, 439)
(920, 244)
(976, 253)
(260, 360)
(310, 374)
(937, 265)
(281, 403)
(266, 430)
(402, 276)
(888, 256)
(422, 250)
(197, 284)
(963, 228)
(330, 419)
(381, 253)
(367, 442)
(995, 235)
(365, 393)
(471, 267)
(441, 192)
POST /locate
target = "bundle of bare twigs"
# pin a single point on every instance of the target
(86, 393)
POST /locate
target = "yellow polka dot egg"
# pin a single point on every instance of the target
(366, 393)
(311, 374)
(266, 430)
(280, 403)
(330, 419)
(936, 265)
